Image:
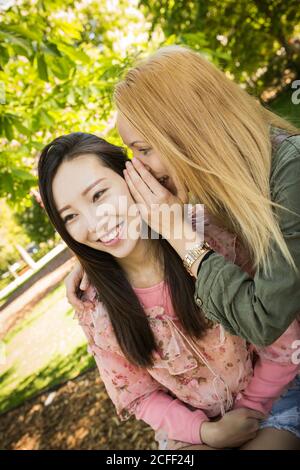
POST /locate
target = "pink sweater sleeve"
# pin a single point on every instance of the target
(273, 372)
(161, 411)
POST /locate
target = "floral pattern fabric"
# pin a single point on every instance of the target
(208, 373)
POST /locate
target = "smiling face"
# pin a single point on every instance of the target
(94, 202)
(147, 154)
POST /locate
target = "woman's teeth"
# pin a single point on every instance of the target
(111, 234)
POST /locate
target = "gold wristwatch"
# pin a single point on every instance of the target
(193, 254)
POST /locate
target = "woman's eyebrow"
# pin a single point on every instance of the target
(91, 186)
(86, 190)
(136, 142)
(63, 209)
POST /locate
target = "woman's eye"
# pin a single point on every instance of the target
(145, 151)
(97, 195)
(68, 218)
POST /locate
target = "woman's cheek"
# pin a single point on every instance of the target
(77, 232)
(128, 198)
(120, 202)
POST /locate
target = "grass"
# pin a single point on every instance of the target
(58, 370)
(47, 348)
(49, 301)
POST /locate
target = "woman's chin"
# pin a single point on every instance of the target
(119, 249)
(124, 249)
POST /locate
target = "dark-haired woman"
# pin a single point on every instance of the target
(158, 357)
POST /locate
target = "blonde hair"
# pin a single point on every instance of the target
(215, 135)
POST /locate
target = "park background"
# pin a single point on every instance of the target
(59, 62)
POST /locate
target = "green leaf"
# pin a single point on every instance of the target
(15, 40)
(42, 68)
(70, 30)
(71, 98)
(61, 67)
(37, 145)
(6, 183)
(74, 54)
(22, 31)
(50, 49)
(19, 126)
(4, 56)
(22, 174)
(46, 118)
(8, 129)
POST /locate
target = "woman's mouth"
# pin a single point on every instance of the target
(162, 180)
(167, 183)
(113, 236)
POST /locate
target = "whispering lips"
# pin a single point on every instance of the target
(162, 180)
(167, 183)
(111, 235)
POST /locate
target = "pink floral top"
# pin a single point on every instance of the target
(191, 381)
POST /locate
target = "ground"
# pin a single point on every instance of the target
(77, 415)
(51, 394)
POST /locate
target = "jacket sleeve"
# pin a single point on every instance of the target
(260, 308)
(134, 392)
(275, 368)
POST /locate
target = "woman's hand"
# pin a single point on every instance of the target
(163, 211)
(77, 279)
(152, 197)
(234, 429)
(179, 445)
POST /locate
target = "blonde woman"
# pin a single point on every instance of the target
(189, 126)
(180, 114)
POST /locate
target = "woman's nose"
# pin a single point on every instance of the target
(97, 223)
(92, 227)
(91, 221)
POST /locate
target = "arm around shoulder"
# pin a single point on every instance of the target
(260, 309)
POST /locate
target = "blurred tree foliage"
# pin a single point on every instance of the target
(35, 223)
(10, 233)
(59, 61)
(252, 38)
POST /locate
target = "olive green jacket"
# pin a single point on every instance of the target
(260, 309)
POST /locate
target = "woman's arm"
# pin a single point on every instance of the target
(273, 371)
(75, 282)
(257, 308)
(161, 411)
(260, 309)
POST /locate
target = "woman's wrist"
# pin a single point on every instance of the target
(208, 432)
(203, 258)
(195, 267)
(182, 237)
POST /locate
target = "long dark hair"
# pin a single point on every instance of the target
(129, 321)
